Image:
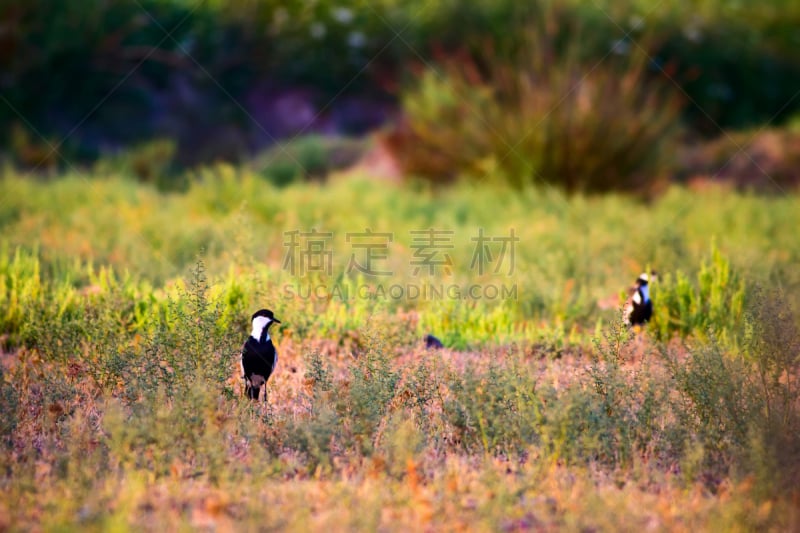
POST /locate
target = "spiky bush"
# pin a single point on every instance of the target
(713, 303)
(540, 116)
(739, 409)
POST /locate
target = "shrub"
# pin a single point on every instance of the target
(624, 412)
(148, 162)
(539, 118)
(494, 407)
(307, 157)
(346, 414)
(738, 410)
(772, 345)
(9, 401)
(20, 288)
(714, 303)
(735, 62)
(716, 404)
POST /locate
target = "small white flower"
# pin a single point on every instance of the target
(343, 15)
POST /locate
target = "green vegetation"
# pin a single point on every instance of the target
(123, 309)
(715, 303)
(572, 251)
(310, 157)
(531, 120)
(536, 157)
(734, 62)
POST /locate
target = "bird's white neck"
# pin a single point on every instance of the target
(259, 323)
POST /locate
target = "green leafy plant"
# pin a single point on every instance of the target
(540, 117)
(772, 345)
(309, 157)
(714, 303)
(149, 162)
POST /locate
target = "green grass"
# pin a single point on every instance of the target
(122, 309)
(572, 251)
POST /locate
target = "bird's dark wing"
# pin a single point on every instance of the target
(245, 354)
(638, 311)
(258, 358)
(249, 358)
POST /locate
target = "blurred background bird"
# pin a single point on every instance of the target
(639, 307)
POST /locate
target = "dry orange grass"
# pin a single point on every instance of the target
(58, 480)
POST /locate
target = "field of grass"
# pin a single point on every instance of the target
(122, 310)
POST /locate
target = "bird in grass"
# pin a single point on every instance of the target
(432, 343)
(639, 307)
(258, 354)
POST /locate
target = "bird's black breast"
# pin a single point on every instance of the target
(258, 358)
(641, 312)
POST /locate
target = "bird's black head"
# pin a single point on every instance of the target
(645, 278)
(266, 313)
(261, 321)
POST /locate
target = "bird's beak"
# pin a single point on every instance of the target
(276, 320)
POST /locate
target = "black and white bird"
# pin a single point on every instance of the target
(639, 307)
(258, 354)
(432, 343)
